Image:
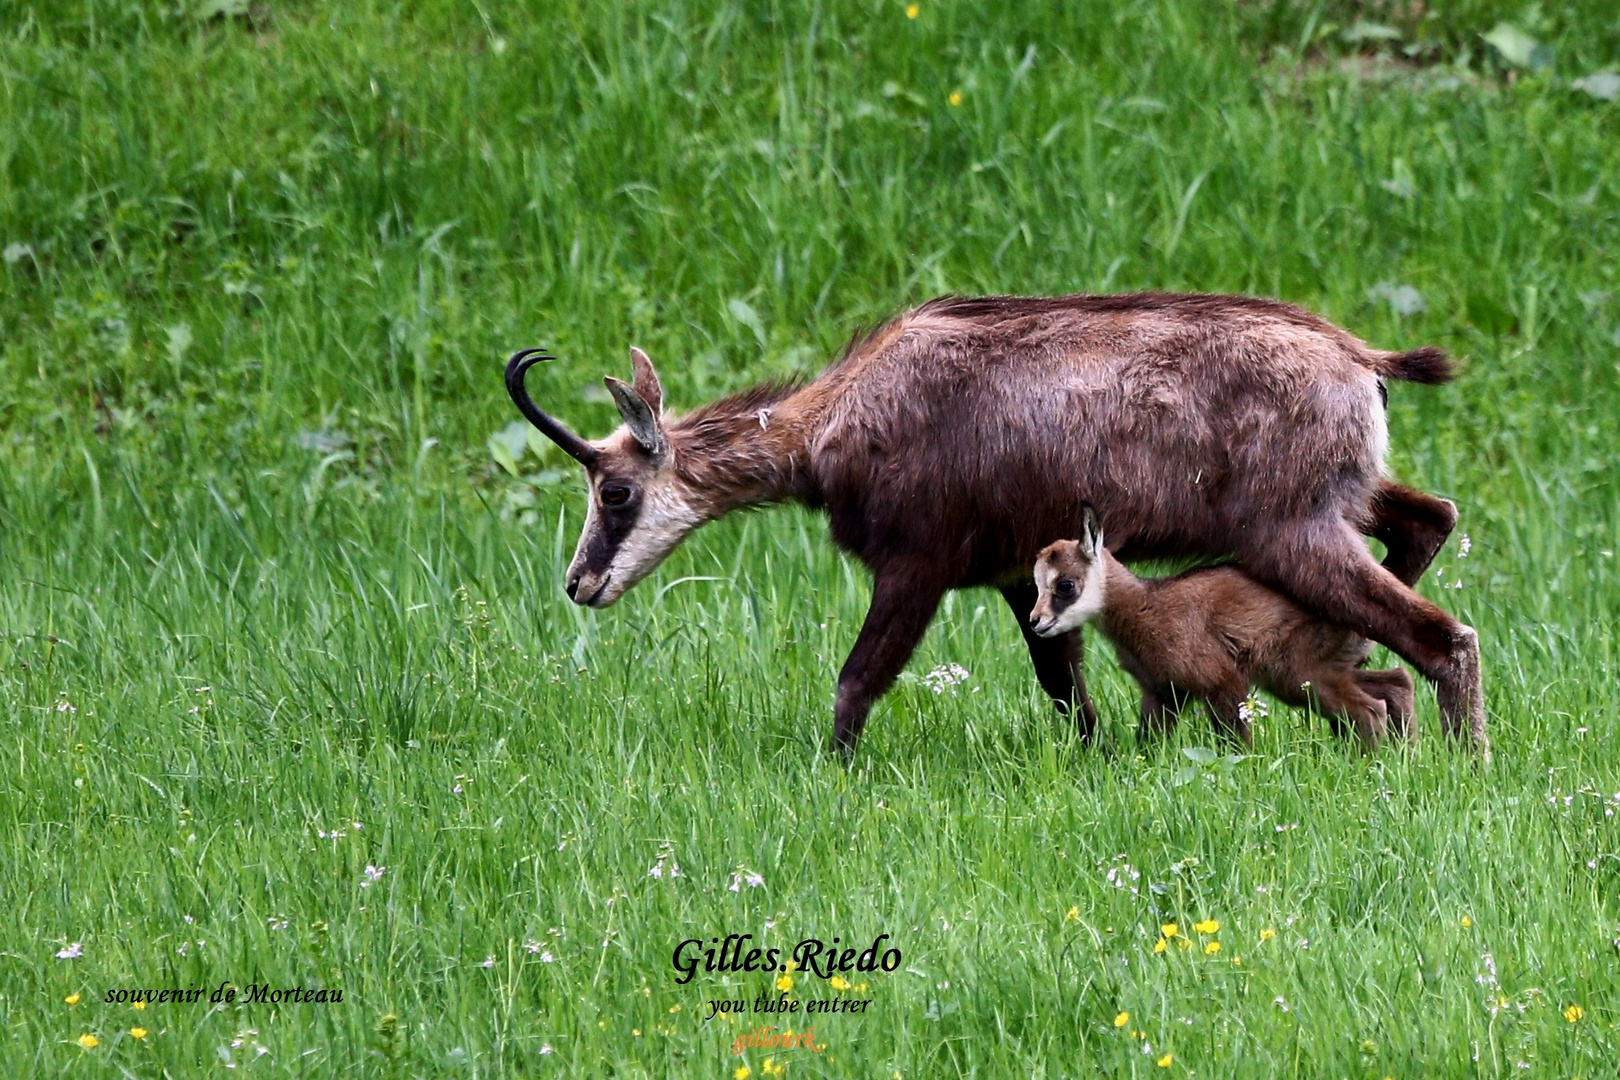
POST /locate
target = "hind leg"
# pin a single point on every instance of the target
(1412, 525)
(1340, 696)
(1327, 568)
(1394, 688)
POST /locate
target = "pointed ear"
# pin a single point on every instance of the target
(645, 380)
(1090, 532)
(638, 416)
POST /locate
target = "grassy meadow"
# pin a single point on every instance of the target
(290, 693)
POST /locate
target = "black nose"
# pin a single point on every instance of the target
(573, 586)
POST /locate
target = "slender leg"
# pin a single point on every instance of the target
(1057, 660)
(1394, 688)
(1329, 570)
(1339, 694)
(1412, 525)
(903, 604)
(1161, 709)
(1226, 709)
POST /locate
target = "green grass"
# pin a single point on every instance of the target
(261, 576)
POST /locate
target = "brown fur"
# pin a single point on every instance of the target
(954, 442)
(1212, 635)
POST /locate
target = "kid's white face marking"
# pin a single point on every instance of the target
(1054, 614)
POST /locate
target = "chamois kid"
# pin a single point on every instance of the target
(1212, 634)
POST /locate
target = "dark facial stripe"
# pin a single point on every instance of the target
(613, 525)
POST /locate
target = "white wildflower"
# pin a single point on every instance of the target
(71, 952)
(744, 876)
(1121, 876)
(945, 678)
(373, 875)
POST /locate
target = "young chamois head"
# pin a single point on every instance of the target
(639, 509)
(1069, 575)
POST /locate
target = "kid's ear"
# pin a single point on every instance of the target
(1090, 532)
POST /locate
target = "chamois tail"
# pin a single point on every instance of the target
(1426, 365)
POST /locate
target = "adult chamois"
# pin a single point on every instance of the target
(952, 443)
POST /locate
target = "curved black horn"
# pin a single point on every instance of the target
(522, 360)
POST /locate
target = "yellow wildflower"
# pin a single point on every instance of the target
(912, 11)
(89, 1041)
(1164, 1062)
(1574, 1013)
(955, 98)
(772, 1067)
(1208, 926)
(1122, 1019)
(1073, 914)
(1160, 945)
(137, 1032)
(72, 999)
(140, 1004)
(1467, 922)
(742, 1072)
(1212, 948)
(1267, 934)
(838, 982)
(785, 983)
(636, 1032)
(674, 1008)
(1184, 943)
(1169, 929)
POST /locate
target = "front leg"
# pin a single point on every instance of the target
(903, 604)
(1057, 660)
(1225, 704)
(1161, 708)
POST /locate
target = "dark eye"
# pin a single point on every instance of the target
(615, 494)
(1065, 587)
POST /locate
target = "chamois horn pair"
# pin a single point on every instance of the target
(516, 368)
